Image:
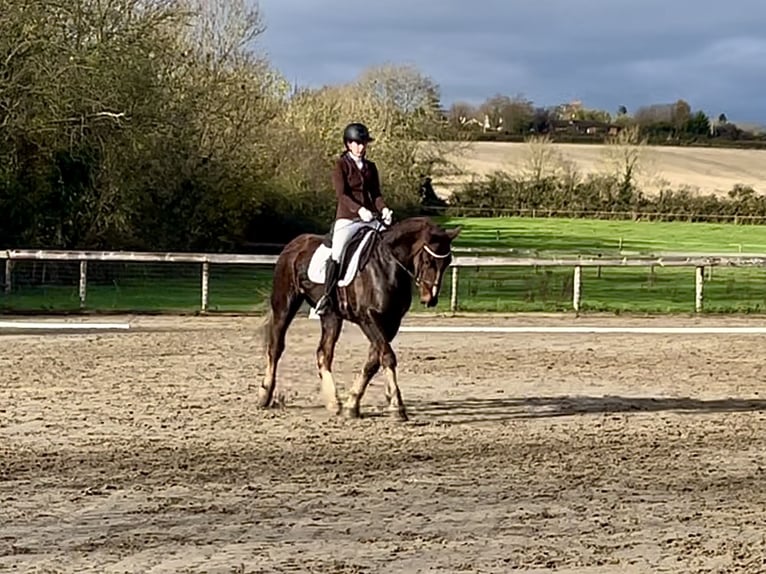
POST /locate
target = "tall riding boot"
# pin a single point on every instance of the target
(331, 279)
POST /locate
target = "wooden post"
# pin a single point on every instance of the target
(8, 276)
(83, 282)
(577, 288)
(453, 291)
(698, 288)
(205, 284)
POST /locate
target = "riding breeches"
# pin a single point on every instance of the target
(343, 231)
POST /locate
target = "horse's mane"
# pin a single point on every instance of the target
(403, 227)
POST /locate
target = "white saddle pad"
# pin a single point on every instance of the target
(317, 265)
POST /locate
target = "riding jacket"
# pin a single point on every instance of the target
(355, 187)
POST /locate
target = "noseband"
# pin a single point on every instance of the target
(418, 280)
(436, 255)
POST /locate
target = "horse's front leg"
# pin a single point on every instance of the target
(393, 394)
(331, 327)
(352, 406)
(381, 354)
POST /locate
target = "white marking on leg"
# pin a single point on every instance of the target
(329, 392)
(268, 380)
(353, 402)
(394, 394)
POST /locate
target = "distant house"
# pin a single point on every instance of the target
(585, 127)
(485, 125)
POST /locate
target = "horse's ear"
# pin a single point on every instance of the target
(452, 233)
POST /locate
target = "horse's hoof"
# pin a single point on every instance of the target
(335, 408)
(350, 412)
(400, 415)
(264, 398)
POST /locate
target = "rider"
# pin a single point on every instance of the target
(357, 190)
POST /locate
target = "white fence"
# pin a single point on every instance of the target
(463, 258)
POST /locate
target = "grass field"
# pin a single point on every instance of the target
(709, 170)
(139, 287)
(615, 289)
(238, 288)
(553, 236)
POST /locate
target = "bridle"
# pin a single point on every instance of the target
(419, 280)
(436, 255)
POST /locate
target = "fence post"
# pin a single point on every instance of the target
(8, 274)
(453, 291)
(205, 284)
(699, 281)
(577, 288)
(83, 282)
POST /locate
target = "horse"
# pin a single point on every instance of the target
(411, 251)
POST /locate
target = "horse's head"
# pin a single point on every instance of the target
(425, 251)
(432, 258)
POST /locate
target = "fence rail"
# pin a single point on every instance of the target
(697, 261)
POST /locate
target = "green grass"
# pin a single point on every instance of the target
(587, 236)
(231, 288)
(617, 289)
(239, 288)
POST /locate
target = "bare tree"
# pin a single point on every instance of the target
(627, 159)
(222, 31)
(543, 160)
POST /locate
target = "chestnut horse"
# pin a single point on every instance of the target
(411, 251)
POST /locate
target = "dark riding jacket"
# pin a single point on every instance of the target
(355, 188)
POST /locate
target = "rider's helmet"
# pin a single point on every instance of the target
(356, 132)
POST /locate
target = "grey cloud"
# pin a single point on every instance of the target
(607, 53)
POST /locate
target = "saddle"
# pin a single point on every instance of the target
(353, 259)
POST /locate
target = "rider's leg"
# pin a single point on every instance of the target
(343, 230)
(342, 233)
(332, 269)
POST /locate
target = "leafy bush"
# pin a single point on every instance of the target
(150, 124)
(602, 197)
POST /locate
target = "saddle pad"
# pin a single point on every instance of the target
(317, 265)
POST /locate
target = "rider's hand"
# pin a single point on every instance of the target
(388, 215)
(365, 214)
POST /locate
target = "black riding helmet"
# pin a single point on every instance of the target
(357, 132)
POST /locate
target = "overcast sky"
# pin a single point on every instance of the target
(606, 53)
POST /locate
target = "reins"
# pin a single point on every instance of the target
(418, 281)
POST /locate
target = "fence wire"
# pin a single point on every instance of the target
(611, 289)
(133, 287)
(53, 286)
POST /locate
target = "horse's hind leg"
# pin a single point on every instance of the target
(393, 394)
(331, 327)
(283, 310)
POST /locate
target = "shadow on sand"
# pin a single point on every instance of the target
(469, 410)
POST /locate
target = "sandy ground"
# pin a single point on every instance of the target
(143, 452)
(707, 170)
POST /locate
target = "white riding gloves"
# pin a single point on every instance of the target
(365, 214)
